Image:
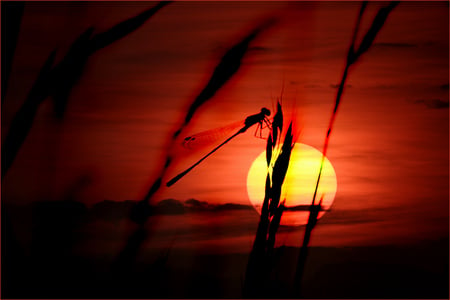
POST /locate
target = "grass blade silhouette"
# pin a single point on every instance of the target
(352, 57)
(277, 125)
(227, 67)
(69, 71)
(280, 169)
(260, 260)
(312, 221)
(71, 68)
(377, 24)
(11, 18)
(23, 120)
(124, 28)
(278, 175)
(58, 81)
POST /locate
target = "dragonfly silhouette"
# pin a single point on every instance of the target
(260, 118)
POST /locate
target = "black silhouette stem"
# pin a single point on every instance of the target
(124, 28)
(11, 17)
(312, 221)
(23, 120)
(330, 129)
(301, 262)
(352, 57)
(259, 265)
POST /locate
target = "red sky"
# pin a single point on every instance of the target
(390, 143)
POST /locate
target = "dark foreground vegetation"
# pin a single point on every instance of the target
(68, 252)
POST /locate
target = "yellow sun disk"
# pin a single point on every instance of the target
(299, 184)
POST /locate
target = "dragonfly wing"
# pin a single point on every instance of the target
(209, 137)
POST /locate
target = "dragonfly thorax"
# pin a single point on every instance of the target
(265, 111)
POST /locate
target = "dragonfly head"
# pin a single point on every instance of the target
(265, 111)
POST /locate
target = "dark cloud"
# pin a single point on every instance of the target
(312, 86)
(348, 217)
(444, 87)
(395, 45)
(432, 103)
(351, 216)
(335, 86)
(115, 210)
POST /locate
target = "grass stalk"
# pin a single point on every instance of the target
(260, 260)
(352, 57)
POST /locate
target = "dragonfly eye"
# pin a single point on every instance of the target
(265, 111)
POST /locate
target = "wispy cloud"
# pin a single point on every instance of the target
(432, 103)
(348, 216)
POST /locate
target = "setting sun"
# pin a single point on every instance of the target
(299, 184)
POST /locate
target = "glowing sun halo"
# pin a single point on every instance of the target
(299, 184)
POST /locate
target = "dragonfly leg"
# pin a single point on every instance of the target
(258, 130)
(267, 123)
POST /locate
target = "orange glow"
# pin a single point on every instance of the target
(298, 187)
